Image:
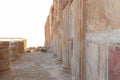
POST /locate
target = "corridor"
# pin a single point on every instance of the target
(35, 66)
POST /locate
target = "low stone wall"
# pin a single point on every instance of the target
(13, 50)
(16, 48)
(21, 46)
(4, 56)
(10, 50)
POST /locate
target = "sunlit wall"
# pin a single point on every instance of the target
(24, 18)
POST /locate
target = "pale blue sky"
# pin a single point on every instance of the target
(24, 18)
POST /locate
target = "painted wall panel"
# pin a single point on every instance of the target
(114, 62)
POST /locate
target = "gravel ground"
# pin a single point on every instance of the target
(35, 66)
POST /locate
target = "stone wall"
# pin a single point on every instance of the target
(10, 50)
(85, 37)
(16, 48)
(47, 32)
(102, 32)
(4, 56)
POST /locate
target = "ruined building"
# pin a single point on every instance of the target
(84, 34)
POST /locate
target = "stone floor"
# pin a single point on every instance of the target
(35, 66)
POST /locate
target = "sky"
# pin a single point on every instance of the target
(24, 18)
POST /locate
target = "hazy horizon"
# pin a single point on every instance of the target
(24, 18)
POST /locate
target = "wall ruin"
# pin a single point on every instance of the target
(85, 36)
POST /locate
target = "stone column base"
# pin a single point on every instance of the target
(59, 61)
(66, 68)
